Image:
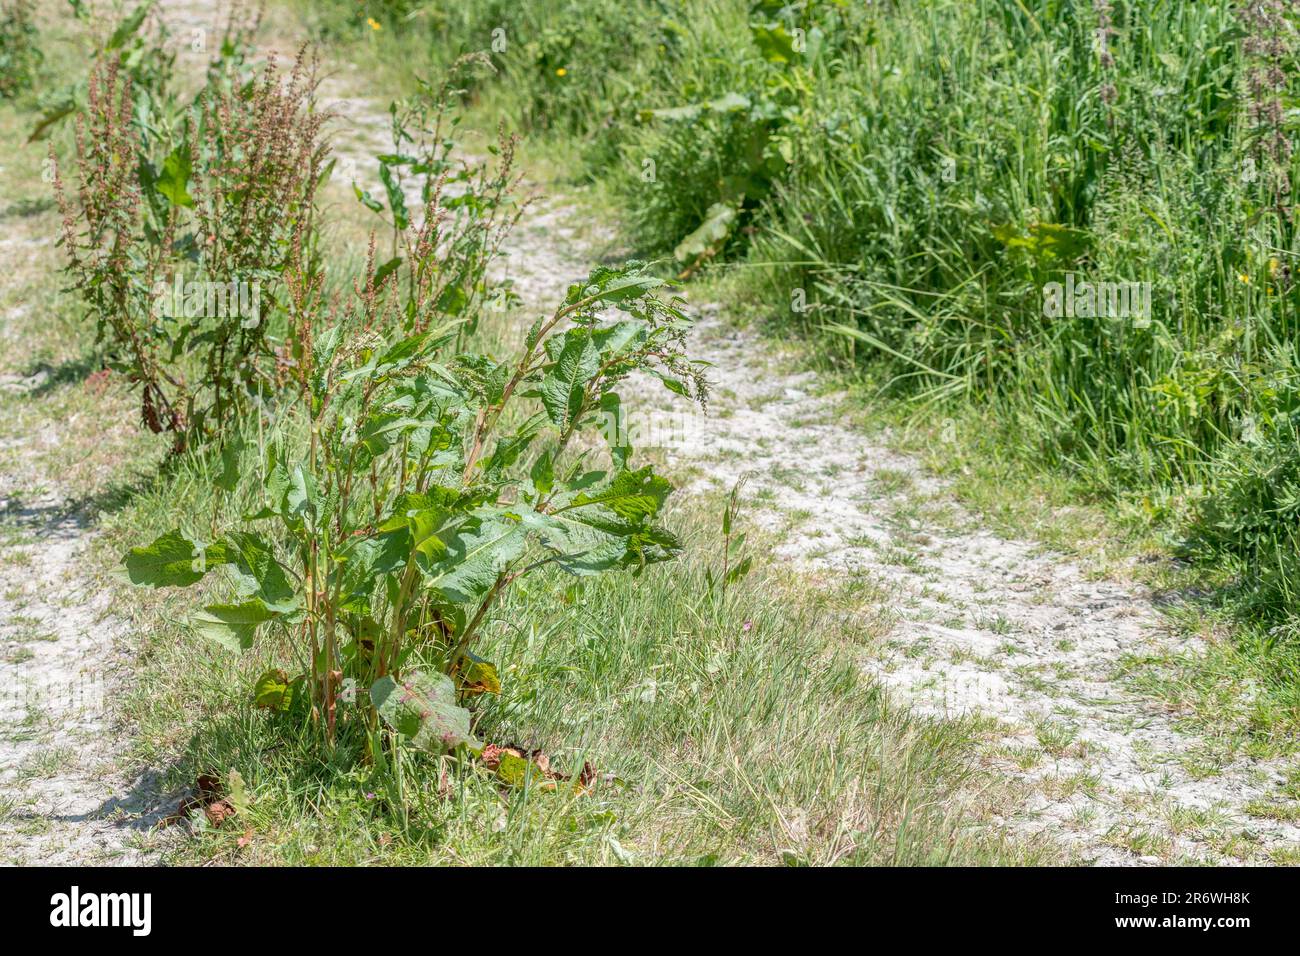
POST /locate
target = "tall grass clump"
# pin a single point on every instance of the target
(998, 149)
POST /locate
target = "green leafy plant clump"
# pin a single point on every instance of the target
(20, 52)
(184, 225)
(426, 489)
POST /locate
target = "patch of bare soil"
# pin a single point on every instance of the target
(63, 796)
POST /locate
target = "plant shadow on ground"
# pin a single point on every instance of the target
(27, 208)
(138, 809)
(86, 502)
(69, 371)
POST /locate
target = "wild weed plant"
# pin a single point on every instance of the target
(478, 199)
(409, 482)
(409, 513)
(182, 230)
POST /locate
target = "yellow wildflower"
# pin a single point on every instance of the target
(374, 24)
(561, 72)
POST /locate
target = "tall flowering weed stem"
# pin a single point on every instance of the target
(178, 241)
(1269, 46)
(479, 199)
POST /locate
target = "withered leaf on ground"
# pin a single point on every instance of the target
(516, 767)
(209, 797)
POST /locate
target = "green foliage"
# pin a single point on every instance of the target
(388, 539)
(814, 137)
(569, 65)
(182, 227)
(1252, 518)
(736, 564)
(172, 560)
(772, 715)
(20, 54)
(269, 579)
(565, 60)
(476, 198)
(432, 478)
(336, 20)
(422, 708)
(722, 155)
